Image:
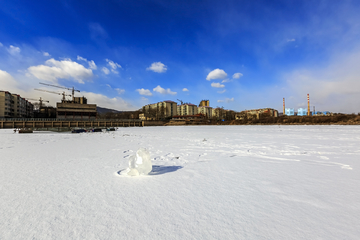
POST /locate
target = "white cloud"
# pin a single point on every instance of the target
(113, 64)
(237, 75)
(97, 31)
(185, 90)
(216, 74)
(144, 99)
(222, 91)
(120, 91)
(290, 40)
(1, 44)
(46, 54)
(81, 58)
(227, 100)
(100, 100)
(7, 82)
(226, 80)
(92, 65)
(157, 67)
(217, 85)
(65, 69)
(105, 70)
(163, 91)
(13, 50)
(145, 92)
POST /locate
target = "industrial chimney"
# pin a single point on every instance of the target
(308, 98)
(283, 106)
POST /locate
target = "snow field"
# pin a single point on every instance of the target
(208, 182)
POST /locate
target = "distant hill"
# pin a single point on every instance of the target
(101, 110)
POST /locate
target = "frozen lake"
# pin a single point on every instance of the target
(208, 182)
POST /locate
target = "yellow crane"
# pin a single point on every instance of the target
(63, 93)
(40, 101)
(73, 90)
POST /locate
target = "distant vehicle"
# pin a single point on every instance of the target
(78, 131)
(111, 129)
(97, 130)
(25, 130)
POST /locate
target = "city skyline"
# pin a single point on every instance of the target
(238, 54)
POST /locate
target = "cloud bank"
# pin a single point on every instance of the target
(65, 69)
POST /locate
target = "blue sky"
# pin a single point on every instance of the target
(238, 54)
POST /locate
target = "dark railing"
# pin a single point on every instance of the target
(66, 120)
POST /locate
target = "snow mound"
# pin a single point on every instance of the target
(139, 164)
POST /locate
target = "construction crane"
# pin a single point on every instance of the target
(180, 101)
(63, 93)
(40, 101)
(72, 89)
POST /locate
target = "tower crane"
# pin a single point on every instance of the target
(40, 100)
(63, 93)
(180, 101)
(72, 89)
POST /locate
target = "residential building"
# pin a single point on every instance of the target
(205, 103)
(160, 110)
(206, 110)
(20, 108)
(14, 106)
(219, 113)
(187, 109)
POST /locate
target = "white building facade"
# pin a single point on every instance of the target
(187, 109)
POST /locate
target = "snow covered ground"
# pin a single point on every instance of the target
(208, 182)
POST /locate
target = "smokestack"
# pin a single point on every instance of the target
(283, 106)
(308, 113)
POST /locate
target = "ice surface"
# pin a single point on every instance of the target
(243, 182)
(139, 163)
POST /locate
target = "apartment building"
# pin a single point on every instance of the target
(206, 110)
(204, 103)
(14, 106)
(160, 110)
(187, 109)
